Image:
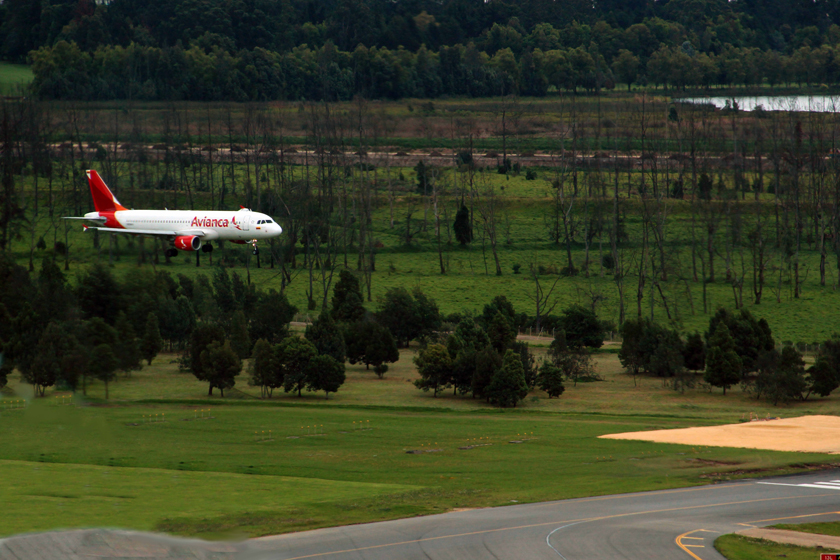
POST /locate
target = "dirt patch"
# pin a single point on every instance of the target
(808, 434)
(419, 451)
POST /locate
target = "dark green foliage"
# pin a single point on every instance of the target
(152, 343)
(177, 320)
(667, 360)
(435, 368)
(558, 346)
(824, 375)
(221, 365)
(704, 187)
(55, 298)
(425, 177)
(550, 379)
(508, 386)
(751, 336)
(501, 333)
(327, 338)
(371, 344)
(127, 346)
(46, 367)
(463, 370)
(529, 363)
(293, 355)
(271, 316)
(240, 342)
(467, 335)
(103, 364)
(22, 345)
(98, 294)
(487, 363)
(347, 300)
(781, 375)
(694, 353)
(223, 292)
(462, 227)
(407, 315)
(647, 346)
(723, 366)
(582, 327)
(498, 304)
(262, 368)
(324, 373)
(201, 338)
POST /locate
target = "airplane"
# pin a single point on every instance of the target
(187, 230)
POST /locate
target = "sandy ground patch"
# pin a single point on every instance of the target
(811, 434)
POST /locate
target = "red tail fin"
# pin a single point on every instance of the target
(103, 199)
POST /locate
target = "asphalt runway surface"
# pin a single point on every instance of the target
(668, 524)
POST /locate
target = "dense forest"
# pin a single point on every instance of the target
(335, 49)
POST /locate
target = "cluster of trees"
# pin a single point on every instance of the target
(282, 26)
(298, 49)
(65, 71)
(56, 334)
(481, 356)
(737, 349)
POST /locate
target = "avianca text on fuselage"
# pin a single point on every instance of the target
(185, 229)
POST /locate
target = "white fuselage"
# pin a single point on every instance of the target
(242, 225)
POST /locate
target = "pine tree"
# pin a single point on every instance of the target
(435, 368)
(152, 343)
(501, 333)
(127, 347)
(723, 366)
(347, 300)
(508, 386)
(240, 342)
(262, 368)
(487, 363)
(694, 354)
(325, 335)
(550, 379)
(462, 227)
(103, 364)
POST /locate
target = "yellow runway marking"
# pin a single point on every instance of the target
(685, 547)
(560, 522)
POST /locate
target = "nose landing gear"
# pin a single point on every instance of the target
(254, 245)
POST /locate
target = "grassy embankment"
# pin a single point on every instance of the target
(737, 547)
(228, 475)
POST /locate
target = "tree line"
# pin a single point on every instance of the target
(142, 72)
(736, 349)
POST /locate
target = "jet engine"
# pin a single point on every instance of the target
(188, 242)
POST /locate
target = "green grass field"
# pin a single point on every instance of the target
(830, 528)
(14, 77)
(736, 547)
(308, 464)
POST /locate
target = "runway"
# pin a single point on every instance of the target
(668, 524)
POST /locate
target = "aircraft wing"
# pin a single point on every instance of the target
(196, 232)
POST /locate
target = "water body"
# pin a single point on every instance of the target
(796, 103)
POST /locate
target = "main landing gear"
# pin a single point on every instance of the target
(171, 253)
(207, 248)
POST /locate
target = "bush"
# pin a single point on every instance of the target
(530, 175)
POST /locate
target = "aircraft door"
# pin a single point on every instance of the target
(246, 220)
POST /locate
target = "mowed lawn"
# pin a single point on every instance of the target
(223, 474)
(46, 496)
